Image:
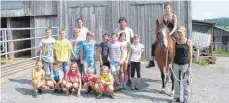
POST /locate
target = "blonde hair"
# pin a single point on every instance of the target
(77, 68)
(63, 30)
(90, 69)
(104, 68)
(49, 28)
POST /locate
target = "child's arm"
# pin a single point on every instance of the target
(43, 75)
(121, 48)
(128, 53)
(33, 75)
(100, 55)
(41, 52)
(81, 56)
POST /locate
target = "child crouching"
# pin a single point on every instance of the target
(89, 80)
(104, 83)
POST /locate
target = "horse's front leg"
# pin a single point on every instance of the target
(163, 80)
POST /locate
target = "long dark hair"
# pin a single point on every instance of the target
(121, 34)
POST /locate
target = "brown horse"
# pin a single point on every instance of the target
(165, 43)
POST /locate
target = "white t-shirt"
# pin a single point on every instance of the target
(47, 49)
(82, 34)
(128, 31)
(136, 51)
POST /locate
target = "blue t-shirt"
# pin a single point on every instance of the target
(105, 51)
(75, 47)
(89, 50)
(57, 74)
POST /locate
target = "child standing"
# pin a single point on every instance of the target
(90, 80)
(104, 51)
(63, 49)
(73, 80)
(88, 52)
(38, 79)
(76, 49)
(104, 83)
(115, 54)
(125, 59)
(46, 51)
(57, 76)
(136, 50)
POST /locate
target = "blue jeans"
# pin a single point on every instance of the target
(64, 66)
(114, 67)
(88, 64)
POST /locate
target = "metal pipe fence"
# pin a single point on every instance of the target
(5, 40)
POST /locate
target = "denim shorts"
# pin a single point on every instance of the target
(88, 64)
(64, 66)
(114, 67)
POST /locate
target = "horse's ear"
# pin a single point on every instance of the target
(157, 22)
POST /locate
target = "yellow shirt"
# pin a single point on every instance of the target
(63, 50)
(107, 78)
(38, 75)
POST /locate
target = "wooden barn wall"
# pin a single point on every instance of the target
(32, 8)
(219, 35)
(103, 18)
(50, 21)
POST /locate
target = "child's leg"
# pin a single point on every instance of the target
(68, 86)
(34, 82)
(132, 74)
(125, 72)
(75, 85)
(110, 89)
(138, 69)
(65, 68)
(50, 84)
(98, 88)
(63, 84)
(121, 74)
(85, 86)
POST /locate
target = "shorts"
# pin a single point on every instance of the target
(64, 66)
(47, 66)
(136, 66)
(114, 67)
(89, 64)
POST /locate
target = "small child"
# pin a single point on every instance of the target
(38, 79)
(115, 54)
(88, 52)
(136, 50)
(73, 80)
(90, 80)
(104, 83)
(125, 59)
(104, 51)
(63, 50)
(46, 51)
(76, 49)
(57, 76)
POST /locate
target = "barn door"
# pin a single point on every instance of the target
(143, 21)
(94, 18)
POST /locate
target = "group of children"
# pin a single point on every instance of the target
(115, 53)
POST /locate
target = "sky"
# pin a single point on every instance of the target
(207, 9)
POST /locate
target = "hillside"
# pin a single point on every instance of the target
(221, 22)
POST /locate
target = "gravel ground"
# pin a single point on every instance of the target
(210, 85)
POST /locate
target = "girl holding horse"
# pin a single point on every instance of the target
(170, 21)
(182, 65)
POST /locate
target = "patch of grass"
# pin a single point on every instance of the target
(220, 51)
(204, 61)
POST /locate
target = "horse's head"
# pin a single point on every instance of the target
(162, 34)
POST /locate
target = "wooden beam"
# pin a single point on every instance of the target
(10, 37)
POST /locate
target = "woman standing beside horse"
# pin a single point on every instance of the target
(170, 21)
(182, 65)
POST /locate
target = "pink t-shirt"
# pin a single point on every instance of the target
(74, 77)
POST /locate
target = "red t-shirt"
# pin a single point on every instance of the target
(92, 79)
(74, 77)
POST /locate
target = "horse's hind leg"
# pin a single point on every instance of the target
(172, 79)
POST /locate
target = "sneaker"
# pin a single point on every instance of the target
(39, 91)
(121, 86)
(149, 66)
(128, 83)
(35, 94)
(70, 91)
(99, 95)
(132, 87)
(125, 86)
(55, 90)
(175, 100)
(136, 87)
(89, 89)
(61, 90)
(112, 95)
